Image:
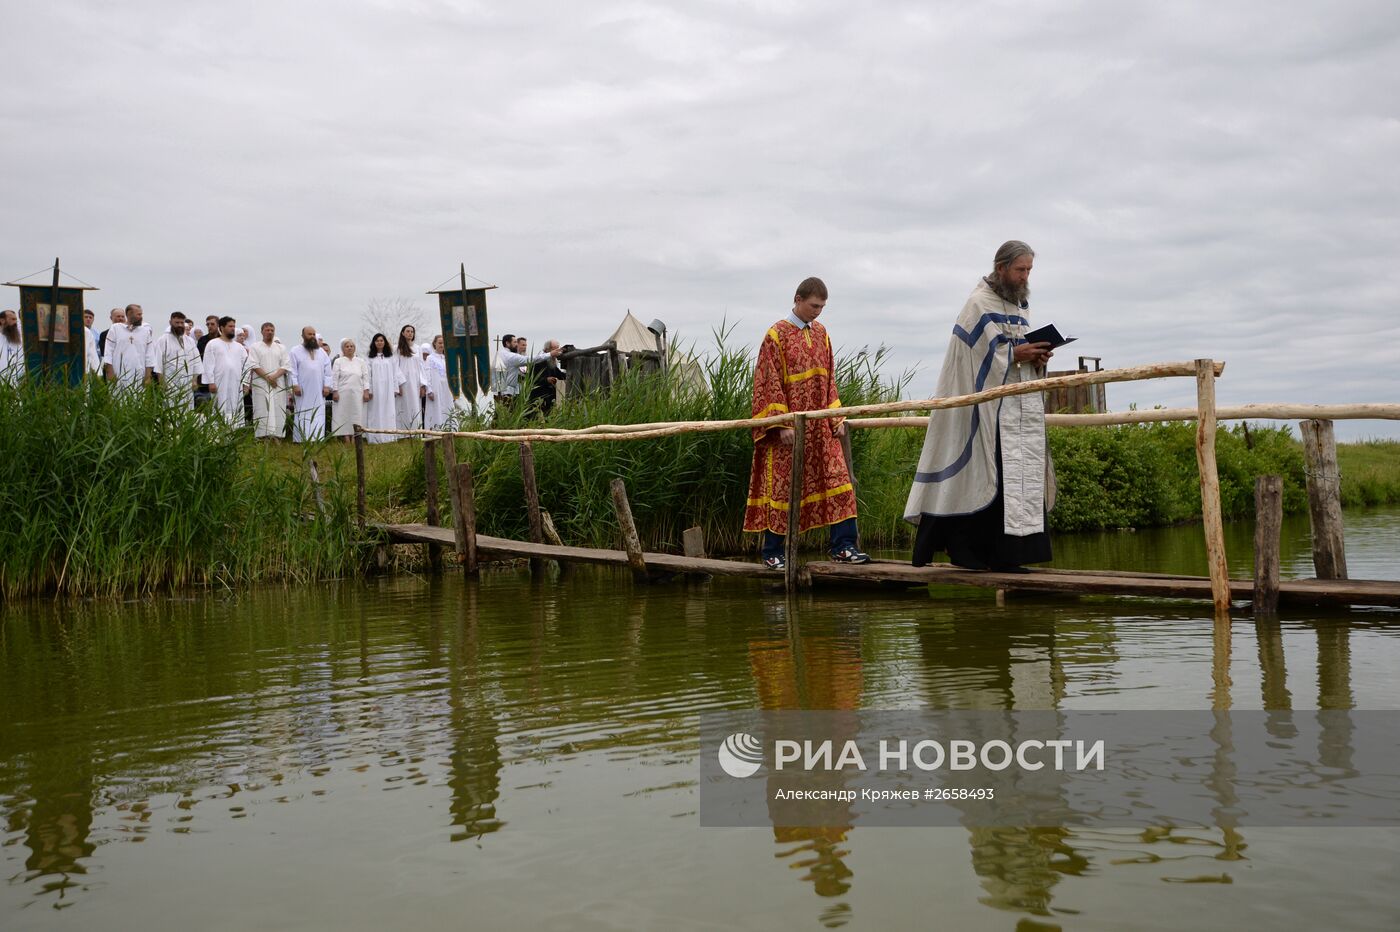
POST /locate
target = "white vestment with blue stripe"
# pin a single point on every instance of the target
(957, 472)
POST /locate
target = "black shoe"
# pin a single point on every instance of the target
(776, 564)
(1010, 568)
(849, 555)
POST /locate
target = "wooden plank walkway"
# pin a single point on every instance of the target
(889, 572)
(1107, 582)
(501, 548)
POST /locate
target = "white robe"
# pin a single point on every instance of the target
(439, 405)
(349, 379)
(224, 362)
(957, 472)
(11, 361)
(177, 362)
(94, 358)
(311, 372)
(410, 401)
(126, 354)
(269, 402)
(382, 410)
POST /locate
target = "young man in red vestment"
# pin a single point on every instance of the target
(796, 372)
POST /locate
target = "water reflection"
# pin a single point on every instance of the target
(796, 671)
(482, 710)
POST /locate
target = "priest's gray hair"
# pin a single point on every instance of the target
(1010, 251)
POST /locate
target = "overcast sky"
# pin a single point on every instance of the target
(1198, 179)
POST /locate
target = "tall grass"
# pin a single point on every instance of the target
(105, 494)
(1370, 472)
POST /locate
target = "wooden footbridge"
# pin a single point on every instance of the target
(1266, 591)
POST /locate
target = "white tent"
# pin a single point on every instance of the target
(632, 336)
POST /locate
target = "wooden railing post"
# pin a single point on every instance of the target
(850, 469)
(1210, 488)
(433, 552)
(449, 465)
(532, 503)
(1268, 523)
(360, 476)
(465, 518)
(1324, 499)
(631, 542)
(794, 532)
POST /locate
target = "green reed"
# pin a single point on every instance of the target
(109, 494)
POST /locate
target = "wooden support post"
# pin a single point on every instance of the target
(532, 503)
(1268, 523)
(316, 490)
(360, 476)
(551, 534)
(693, 542)
(790, 548)
(1324, 499)
(464, 514)
(449, 465)
(851, 470)
(630, 541)
(1210, 488)
(433, 552)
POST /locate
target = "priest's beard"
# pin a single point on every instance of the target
(311, 345)
(1016, 294)
(11, 332)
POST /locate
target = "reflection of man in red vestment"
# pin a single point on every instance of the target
(796, 372)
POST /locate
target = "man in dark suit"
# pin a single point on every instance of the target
(544, 376)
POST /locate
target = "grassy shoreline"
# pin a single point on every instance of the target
(119, 495)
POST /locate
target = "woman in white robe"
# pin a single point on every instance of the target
(439, 400)
(411, 393)
(349, 391)
(385, 385)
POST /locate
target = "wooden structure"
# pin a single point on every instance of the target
(1218, 587)
(466, 337)
(51, 325)
(1294, 592)
(1081, 399)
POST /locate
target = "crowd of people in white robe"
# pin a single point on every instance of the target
(261, 382)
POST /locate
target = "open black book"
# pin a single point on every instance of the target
(1048, 334)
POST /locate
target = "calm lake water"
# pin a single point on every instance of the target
(409, 753)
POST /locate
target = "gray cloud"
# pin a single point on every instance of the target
(1199, 179)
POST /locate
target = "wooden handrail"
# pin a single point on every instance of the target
(666, 429)
(1382, 411)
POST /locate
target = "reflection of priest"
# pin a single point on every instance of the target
(985, 481)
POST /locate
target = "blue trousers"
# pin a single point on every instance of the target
(843, 535)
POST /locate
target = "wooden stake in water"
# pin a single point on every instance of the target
(1210, 488)
(465, 512)
(630, 541)
(532, 503)
(1268, 524)
(1324, 499)
(360, 476)
(790, 549)
(432, 553)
